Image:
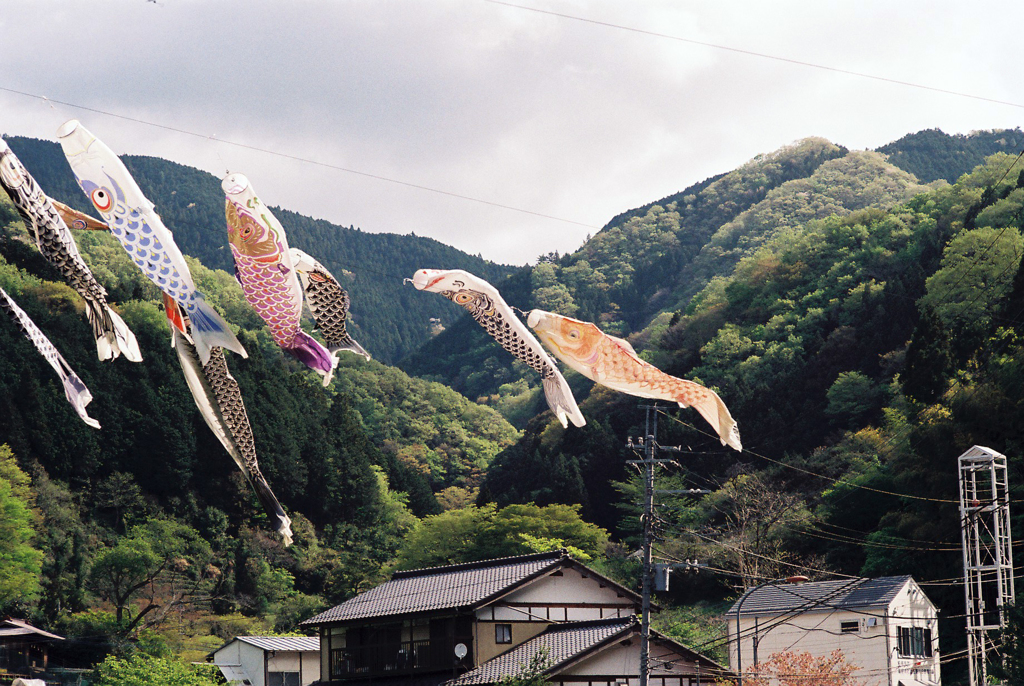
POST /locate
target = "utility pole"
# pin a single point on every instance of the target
(650, 445)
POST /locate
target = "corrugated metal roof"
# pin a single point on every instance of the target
(439, 588)
(819, 596)
(301, 644)
(563, 642)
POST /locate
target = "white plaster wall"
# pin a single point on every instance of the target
(872, 648)
(911, 607)
(310, 667)
(251, 658)
(622, 659)
(571, 587)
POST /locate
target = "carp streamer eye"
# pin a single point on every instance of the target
(10, 173)
(463, 298)
(573, 334)
(101, 199)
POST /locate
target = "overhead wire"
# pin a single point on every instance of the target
(751, 53)
(809, 472)
(297, 158)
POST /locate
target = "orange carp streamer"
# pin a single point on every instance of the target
(612, 362)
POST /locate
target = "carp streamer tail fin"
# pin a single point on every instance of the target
(311, 353)
(713, 409)
(283, 524)
(209, 329)
(113, 337)
(561, 400)
(349, 346)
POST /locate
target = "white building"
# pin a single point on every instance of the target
(886, 626)
(269, 660)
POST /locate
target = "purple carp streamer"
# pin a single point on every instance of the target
(612, 362)
(328, 302)
(264, 267)
(141, 232)
(75, 391)
(485, 304)
(53, 239)
(219, 400)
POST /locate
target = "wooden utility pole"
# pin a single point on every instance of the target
(650, 445)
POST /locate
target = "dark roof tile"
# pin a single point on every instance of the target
(439, 588)
(563, 642)
(818, 596)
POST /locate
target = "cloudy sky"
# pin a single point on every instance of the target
(497, 129)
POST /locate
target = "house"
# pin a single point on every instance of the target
(269, 660)
(24, 649)
(886, 626)
(470, 624)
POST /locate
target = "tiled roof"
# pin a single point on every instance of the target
(563, 642)
(819, 596)
(439, 588)
(302, 644)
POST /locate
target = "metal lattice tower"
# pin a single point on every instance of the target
(988, 556)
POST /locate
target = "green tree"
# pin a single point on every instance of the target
(142, 670)
(851, 397)
(162, 563)
(480, 533)
(977, 272)
(20, 561)
(928, 359)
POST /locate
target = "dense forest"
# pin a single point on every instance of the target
(859, 311)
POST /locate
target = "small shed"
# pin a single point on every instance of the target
(24, 649)
(269, 660)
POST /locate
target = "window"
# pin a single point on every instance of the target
(283, 679)
(914, 641)
(502, 633)
(849, 627)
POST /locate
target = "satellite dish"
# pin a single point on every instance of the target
(461, 650)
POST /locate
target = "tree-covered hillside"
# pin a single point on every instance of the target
(388, 318)
(861, 352)
(356, 465)
(655, 261)
(932, 155)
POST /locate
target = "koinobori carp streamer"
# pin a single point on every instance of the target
(138, 228)
(489, 309)
(612, 362)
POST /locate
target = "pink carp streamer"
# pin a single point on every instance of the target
(264, 268)
(612, 362)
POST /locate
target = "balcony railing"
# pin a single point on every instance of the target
(398, 657)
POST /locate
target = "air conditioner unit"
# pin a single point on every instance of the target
(872, 621)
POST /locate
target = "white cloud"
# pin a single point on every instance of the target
(559, 117)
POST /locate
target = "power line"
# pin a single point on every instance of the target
(810, 473)
(753, 53)
(296, 158)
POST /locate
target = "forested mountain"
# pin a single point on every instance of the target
(863, 328)
(656, 260)
(861, 352)
(932, 155)
(388, 318)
